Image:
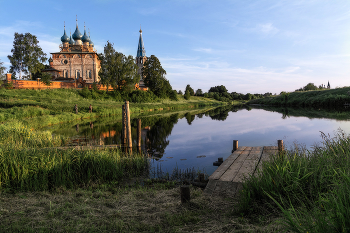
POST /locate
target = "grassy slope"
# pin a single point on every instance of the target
(323, 98)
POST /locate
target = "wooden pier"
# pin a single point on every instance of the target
(244, 161)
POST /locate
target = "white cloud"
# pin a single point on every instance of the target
(267, 28)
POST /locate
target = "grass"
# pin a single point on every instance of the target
(311, 188)
(321, 98)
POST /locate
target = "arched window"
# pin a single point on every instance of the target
(88, 74)
(77, 74)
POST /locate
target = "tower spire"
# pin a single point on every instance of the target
(141, 52)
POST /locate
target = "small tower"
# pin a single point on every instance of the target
(85, 39)
(328, 86)
(141, 59)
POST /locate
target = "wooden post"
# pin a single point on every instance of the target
(235, 145)
(185, 193)
(139, 135)
(201, 177)
(280, 145)
(220, 160)
(128, 126)
(123, 127)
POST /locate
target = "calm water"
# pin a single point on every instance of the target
(197, 140)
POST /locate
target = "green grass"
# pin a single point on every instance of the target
(322, 98)
(311, 188)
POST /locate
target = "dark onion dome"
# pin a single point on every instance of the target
(71, 42)
(90, 42)
(64, 38)
(77, 35)
(50, 59)
(85, 38)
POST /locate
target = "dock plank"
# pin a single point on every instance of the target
(232, 171)
(248, 166)
(226, 164)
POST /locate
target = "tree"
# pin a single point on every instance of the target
(199, 92)
(154, 79)
(2, 70)
(189, 88)
(117, 70)
(180, 92)
(219, 89)
(187, 95)
(27, 55)
(46, 78)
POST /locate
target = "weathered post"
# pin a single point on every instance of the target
(220, 159)
(185, 193)
(280, 146)
(123, 127)
(128, 129)
(235, 145)
(201, 177)
(139, 135)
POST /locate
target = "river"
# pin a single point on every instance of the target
(195, 139)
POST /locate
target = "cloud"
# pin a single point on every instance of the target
(267, 29)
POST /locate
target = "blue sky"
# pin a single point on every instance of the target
(249, 46)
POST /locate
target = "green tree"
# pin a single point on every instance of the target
(46, 78)
(154, 79)
(187, 95)
(219, 89)
(189, 88)
(180, 92)
(2, 71)
(310, 87)
(199, 92)
(27, 55)
(117, 70)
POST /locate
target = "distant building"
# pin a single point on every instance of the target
(328, 86)
(140, 60)
(77, 60)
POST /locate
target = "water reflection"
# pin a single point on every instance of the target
(198, 138)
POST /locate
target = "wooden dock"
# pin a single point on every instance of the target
(228, 178)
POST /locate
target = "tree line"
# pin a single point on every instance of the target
(221, 93)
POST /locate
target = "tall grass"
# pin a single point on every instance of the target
(45, 169)
(311, 188)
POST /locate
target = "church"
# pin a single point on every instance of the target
(78, 59)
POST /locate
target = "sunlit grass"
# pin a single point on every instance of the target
(311, 188)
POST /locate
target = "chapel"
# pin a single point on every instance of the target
(77, 59)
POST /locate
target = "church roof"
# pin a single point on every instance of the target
(141, 52)
(85, 38)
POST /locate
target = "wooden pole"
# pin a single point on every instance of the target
(185, 193)
(128, 126)
(201, 177)
(235, 145)
(124, 127)
(280, 145)
(220, 159)
(139, 135)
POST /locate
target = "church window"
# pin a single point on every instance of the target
(77, 74)
(88, 74)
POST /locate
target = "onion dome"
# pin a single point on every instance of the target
(90, 41)
(71, 42)
(50, 59)
(77, 35)
(64, 38)
(85, 38)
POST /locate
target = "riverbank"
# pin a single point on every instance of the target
(328, 98)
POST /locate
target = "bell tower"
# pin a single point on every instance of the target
(141, 59)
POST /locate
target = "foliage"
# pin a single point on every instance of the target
(117, 70)
(187, 95)
(329, 98)
(219, 89)
(154, 79)
(199, 92)
(46, 78)
(309, 87)
(180, 92)
(2, 71)
(27, 55)
(189, 89)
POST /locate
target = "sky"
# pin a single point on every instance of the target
(250, 46)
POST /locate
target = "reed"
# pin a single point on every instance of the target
(46, 169)
(311, 188)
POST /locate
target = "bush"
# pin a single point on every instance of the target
(187, 95)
